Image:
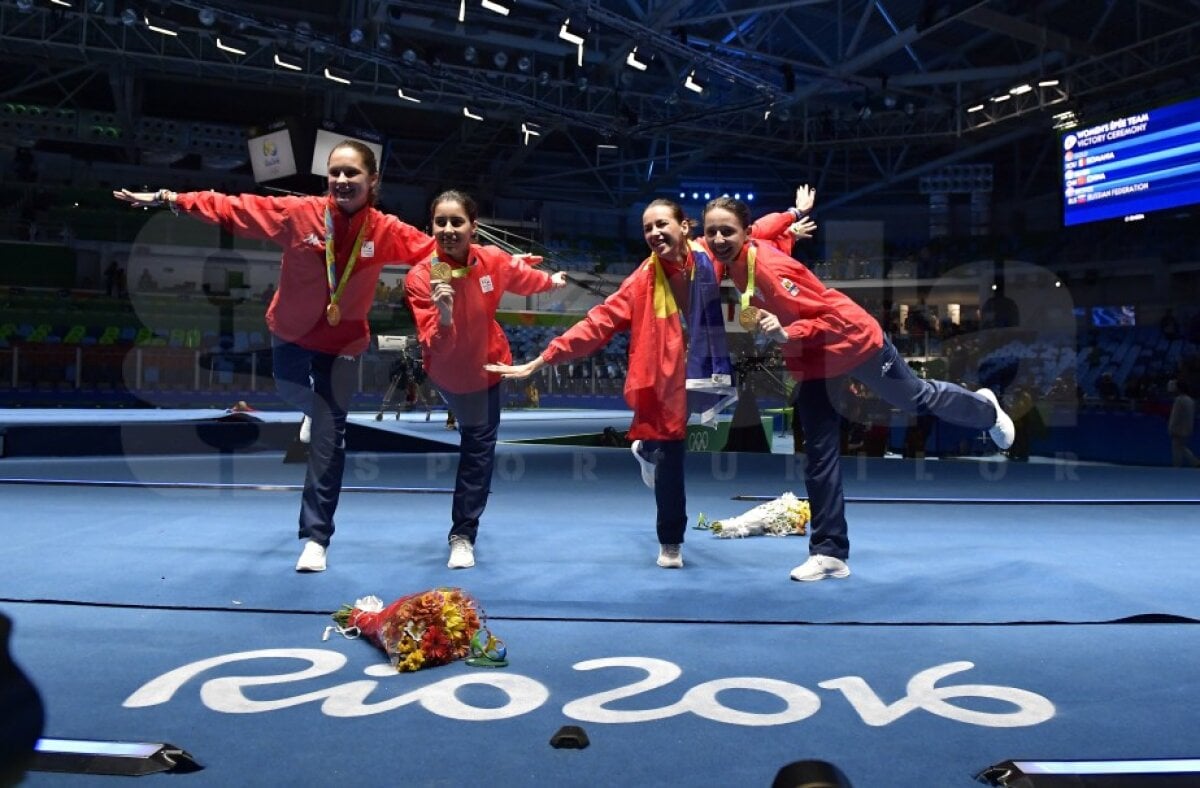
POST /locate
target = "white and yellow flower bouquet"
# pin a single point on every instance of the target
(787, 515)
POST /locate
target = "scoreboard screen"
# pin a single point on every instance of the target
(1132, 165)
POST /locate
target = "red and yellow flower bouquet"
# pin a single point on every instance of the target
(421, 630)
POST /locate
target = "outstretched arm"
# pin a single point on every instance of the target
(516, 371)
(524, 279)
(147, 199)
(243, 215)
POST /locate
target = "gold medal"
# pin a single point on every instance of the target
(749, 318)
(440, 272)
(333, 314)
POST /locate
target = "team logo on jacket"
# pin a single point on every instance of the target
(790, 286)
(314, 240)
(368, 249)
(485, 284)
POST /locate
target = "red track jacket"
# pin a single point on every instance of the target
(828, 333)
(297, 312)
(454, 355)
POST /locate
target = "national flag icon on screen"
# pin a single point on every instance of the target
(1081, 180)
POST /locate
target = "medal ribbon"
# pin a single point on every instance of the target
(335, 288)
(746, 296)
(455, 273)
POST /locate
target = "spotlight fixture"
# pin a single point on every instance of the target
(409, 56)
(337, 75)
(289, 62)
(129, 17)
(495, 7)
(633, 62)
(159, 26)
(500, 59)
(469, 114)
(691, 84)
(357, 36)
(571, 35)
(470, 54)
(24, 6)
(543, 78)
(232, 46)
(524, 64)
(207, 16)
(402, 95)
(383, 41)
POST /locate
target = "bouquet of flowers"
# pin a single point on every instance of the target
(787, 515)
(434, 627)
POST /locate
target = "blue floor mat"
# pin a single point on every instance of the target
(662, 704)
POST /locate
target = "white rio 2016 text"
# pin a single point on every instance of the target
(523, 694)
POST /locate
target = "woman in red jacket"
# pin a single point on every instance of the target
(454, 294)
(334, 247)
(668, 376)
(826, 335)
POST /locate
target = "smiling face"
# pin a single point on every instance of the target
(725, 233)
(453, 229)
(350, 179)
(665, 230)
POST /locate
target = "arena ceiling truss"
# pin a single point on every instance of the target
(605, 102)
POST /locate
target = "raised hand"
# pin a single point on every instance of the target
(443, 298)
(803, 228)
(806, 197)
(770, 327)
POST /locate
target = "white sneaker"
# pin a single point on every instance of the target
(312, 559)
(670, 556)
(819, 567)
(1003, 432)
(306, 430)
(462, 553)
(648, 468)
